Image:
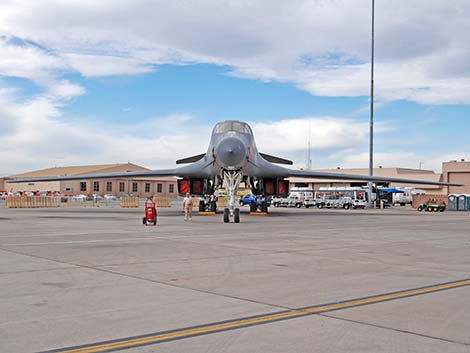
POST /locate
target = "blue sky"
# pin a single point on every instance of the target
(205, 91)
(78, 88)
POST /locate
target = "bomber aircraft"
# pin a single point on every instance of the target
(231, 158)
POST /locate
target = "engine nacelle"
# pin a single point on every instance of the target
(270, 187)
(195, 186)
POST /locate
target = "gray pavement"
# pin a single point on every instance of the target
(74, 276)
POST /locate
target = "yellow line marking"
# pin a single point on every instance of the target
(205, 212)
(217, 327)
(259, 213)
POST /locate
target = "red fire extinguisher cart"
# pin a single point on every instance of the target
(150, 216)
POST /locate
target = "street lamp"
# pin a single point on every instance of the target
(371, 128)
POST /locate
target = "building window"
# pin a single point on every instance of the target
(121, 187)
(83, 186)
(147, 187)
(96, 186)
(109, 186)
(135, 187)
(171, 188)
(159, 187)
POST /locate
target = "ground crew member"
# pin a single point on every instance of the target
(188, 207)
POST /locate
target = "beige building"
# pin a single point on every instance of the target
(452, 171)
(456, 172)
(161, 186)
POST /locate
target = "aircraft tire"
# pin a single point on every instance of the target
(264, 207)
(226, 215)
(252, 207)
(236, 215)
(201, 206)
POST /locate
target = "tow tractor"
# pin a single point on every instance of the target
(432, 206)
(150, 215)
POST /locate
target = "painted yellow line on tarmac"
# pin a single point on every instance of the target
(132, 342)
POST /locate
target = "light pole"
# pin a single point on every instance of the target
(371, 128)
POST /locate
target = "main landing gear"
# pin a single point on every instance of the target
(231, 180)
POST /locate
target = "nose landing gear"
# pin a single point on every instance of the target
(231, 180)
(236, 215)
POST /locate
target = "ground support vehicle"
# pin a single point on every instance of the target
(358, 203)
(292, 201)
(341, 197)
(432, 206)
(260, 205)
(344, 202)
(257, 203)
(247, 199)
(207, 204)
(150, 215)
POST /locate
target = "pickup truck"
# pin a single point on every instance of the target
(247, 199)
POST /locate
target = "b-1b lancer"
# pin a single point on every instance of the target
(231, 158)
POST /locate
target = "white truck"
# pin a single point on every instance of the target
(406, 196)
(296, 198)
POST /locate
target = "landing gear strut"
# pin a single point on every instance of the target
(231, 180)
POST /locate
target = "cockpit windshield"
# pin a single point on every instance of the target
(236, 126)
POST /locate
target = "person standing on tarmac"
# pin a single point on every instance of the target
(188, 207)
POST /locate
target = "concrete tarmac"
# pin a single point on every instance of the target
(81, 277)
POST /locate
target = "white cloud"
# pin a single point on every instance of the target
(325, 133)
(21, 59)
(35, 134)
(321, 46)
(66, 90)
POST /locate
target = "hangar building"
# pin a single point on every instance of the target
(453, 171)
(160, 186)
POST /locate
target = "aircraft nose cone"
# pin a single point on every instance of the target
(230, 152)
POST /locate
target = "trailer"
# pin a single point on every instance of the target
(341, 197)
